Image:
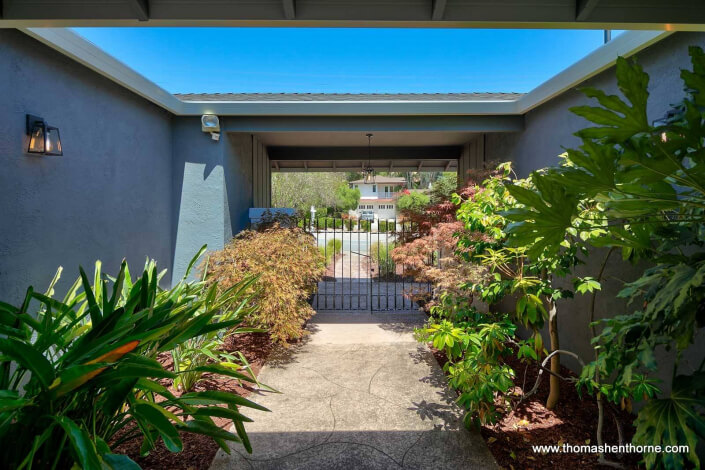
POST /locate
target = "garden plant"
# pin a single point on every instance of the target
(634, 187)
(80, 375)
(288, 266)
(647, 182)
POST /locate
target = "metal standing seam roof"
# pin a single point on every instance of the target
(244, 97)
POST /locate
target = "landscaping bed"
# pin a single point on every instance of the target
(573, 421)
(199, 450)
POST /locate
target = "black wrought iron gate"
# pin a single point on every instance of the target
(360, 272)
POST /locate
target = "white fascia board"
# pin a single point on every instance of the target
(84, 52)
(73, 45)
(624, 45)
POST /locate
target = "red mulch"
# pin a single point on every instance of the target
(573, 421)
(199, 451)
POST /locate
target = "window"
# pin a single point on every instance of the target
(374, 188)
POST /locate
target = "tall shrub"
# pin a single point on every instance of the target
(288, 266)
(519, 271)
(647, 182)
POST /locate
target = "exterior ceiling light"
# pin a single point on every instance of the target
(368, 173)
(43, 139)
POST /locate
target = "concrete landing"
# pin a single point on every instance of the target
(360, 393)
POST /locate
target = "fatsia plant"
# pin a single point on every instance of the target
(79, 375)
(648, 182)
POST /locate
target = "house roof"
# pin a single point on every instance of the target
(384, 179)
(239, 97)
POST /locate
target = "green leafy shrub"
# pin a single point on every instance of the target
(346, 198)
(80, 375)
(444, 187)
(474, 344)
(414, 202)
(386, 226)
(332, 248)
(288, 266)
(192, 356)
(646, 182)
(381, 253)
(517, 270)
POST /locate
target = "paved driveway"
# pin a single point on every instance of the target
(361, 393)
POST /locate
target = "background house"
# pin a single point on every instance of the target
(378, 199)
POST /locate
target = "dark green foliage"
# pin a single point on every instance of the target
(640, 188)
(338, 223)
(79, 375)
(443, 188)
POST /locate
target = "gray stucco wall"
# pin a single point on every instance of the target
(212, 188)
(198, 192)
(108, 197)
(239, 159)
(550, 128)
(134, 181)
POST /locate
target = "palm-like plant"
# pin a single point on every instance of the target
(80, 375)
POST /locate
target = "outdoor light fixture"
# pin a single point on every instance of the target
(43, 139)
(211, 123)
(368, 173)
(665, 120)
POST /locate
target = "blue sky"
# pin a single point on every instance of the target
(212, 60)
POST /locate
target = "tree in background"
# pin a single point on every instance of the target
(301, 190)
(414, 202)
(346, 198)
(444, 187)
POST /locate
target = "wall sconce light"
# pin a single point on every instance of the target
(43, 139)
(664, 121)
(211, 123)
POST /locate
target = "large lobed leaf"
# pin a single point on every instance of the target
(675, 421)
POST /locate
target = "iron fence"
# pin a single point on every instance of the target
(360, 271)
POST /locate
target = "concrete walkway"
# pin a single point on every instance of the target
(361, 393)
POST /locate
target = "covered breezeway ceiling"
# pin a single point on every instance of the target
(387, 158)
(399, 143)
(595, 14)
